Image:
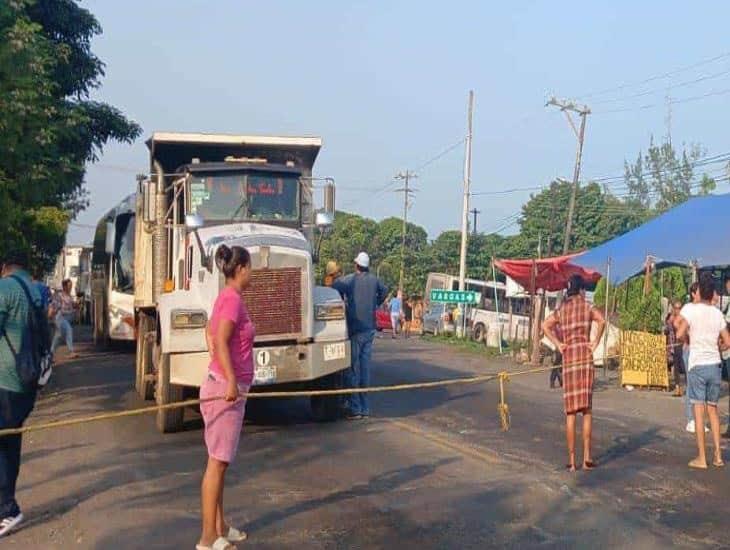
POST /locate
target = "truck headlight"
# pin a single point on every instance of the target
(329, 312)
(185, 318)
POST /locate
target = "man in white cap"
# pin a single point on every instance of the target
(364, 293)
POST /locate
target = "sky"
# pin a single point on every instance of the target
(385, 84)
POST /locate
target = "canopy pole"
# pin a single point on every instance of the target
(608, 324)
(496, 304)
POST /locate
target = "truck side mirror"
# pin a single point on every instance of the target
(324, 220)
(193, 222)
(329, 198)
(149, 198)
(111, 237)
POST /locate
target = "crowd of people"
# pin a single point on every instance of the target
(697, 335)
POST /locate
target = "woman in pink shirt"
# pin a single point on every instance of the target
(230, 338)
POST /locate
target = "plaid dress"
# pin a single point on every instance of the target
(574, 318)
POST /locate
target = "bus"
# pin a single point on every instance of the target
(503, 309)
(112, 275)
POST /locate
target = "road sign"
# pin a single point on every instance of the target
(455, 296)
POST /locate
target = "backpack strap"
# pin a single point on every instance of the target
(31, 302)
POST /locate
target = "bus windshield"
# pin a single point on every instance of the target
(124, 255)
(245, 196)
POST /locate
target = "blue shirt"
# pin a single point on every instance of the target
(395, 306)
(13, 322)
(363, 293)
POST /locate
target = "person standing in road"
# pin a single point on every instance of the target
(726, 353)
(705, 324)
(16, 400)
(694, 296)
(674, 347)
(574, 317)
(230, 335)
(396, 312)
(363, 293)
(63, 309)
(407, 317)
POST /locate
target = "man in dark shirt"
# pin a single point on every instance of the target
(363, 293)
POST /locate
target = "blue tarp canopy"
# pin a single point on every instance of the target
(695, 231)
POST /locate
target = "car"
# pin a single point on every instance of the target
(438, 320)
(382, 319)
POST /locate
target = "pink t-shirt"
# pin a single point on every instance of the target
(229, 305)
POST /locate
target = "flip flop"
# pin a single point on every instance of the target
(570, 467)
(219, 544)
(589, 465)
(235, 535)
(697, 465)
(718, 463)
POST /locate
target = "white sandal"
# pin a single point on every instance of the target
(234, 535)
(219, 544)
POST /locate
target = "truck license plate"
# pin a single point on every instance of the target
(264, 375)
(334, 351)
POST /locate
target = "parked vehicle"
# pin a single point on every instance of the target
(382, 318)
(253, 191)
(437, 319)
(112, 275)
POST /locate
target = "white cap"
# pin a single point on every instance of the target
(363, 260)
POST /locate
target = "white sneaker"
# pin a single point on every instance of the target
(691, 427)
(9, 523)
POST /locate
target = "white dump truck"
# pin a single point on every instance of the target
(258, 192)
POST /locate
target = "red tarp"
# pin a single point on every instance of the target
(551, 273)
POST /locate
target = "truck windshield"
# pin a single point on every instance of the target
(245, 196)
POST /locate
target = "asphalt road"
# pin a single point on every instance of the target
(430, 469)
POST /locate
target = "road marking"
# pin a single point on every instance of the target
(488, 457)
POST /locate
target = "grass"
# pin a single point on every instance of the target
(465, 344)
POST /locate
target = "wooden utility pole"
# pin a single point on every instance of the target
(475, 212)
(407, 192)
(583, 111)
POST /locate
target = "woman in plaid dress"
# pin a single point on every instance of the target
(574, 319)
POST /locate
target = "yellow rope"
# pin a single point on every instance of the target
(503, 408)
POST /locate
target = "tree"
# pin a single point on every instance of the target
(599, 216)
(49, 128)
(661, 179)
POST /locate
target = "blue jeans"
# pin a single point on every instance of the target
(14, 409)
(63, 330)
(703, 384)
(358, 375)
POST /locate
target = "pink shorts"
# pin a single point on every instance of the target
(223, 419)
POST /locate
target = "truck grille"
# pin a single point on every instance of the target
(274, 301)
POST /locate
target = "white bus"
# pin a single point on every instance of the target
(112, 278)
(503, 309)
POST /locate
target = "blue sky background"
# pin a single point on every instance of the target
(385, 84)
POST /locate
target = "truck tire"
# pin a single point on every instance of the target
(169, 420)
(326, 408)
(479, 334)
(144, 385)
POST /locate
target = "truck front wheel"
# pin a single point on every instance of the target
(168, 420)
(326, 408)
(144, 381)
(480, 333)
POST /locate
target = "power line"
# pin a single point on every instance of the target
(672, 102)
(440, 155)
(654, 78)
(664, 89)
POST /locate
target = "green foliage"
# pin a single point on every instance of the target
(49, 128)
(632, 309)
(661, 178)
(599, 216)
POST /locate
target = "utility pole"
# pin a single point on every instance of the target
(407, 192)
(465, 209)
(475, 212)
(583, 111)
